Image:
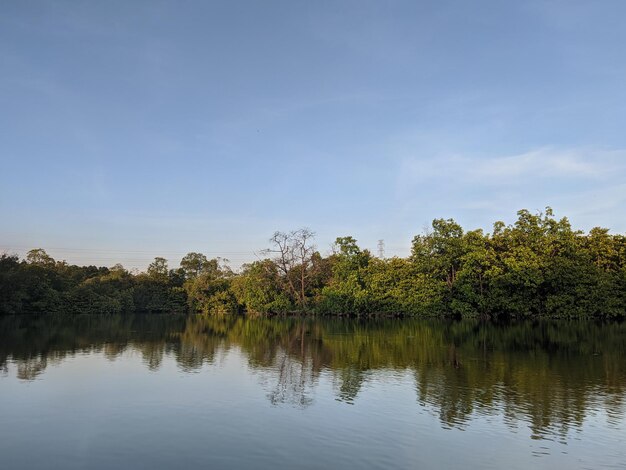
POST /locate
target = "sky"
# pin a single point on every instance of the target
(130, 130)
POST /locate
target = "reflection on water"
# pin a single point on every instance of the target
(548, 375)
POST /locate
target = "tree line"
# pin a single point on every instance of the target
(539, 266)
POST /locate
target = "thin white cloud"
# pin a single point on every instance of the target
(550, 163)
(587, 164)
(586, 185)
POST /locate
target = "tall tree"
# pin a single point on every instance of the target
(157, 270)
(293, 257)
(39, 257)
(194, 264)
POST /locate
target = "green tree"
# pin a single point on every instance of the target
(157, 270)
(259, 289)
(346, 292)
(39, 257)
(193, 264)
(208, 288)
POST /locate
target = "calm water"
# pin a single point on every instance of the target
(165, 392)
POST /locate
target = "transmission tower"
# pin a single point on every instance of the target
(381, 249)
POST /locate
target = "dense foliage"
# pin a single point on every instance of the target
(538, 266)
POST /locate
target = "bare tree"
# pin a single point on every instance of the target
(293, 257)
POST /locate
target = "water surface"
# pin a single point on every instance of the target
(232, 392)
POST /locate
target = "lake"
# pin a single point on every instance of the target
(235, 392)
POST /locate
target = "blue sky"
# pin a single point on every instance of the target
(135, 129)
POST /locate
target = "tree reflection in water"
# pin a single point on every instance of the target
(549, 374)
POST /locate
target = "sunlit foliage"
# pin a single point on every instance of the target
(539, 266)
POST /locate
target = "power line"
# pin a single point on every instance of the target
(106, 251)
